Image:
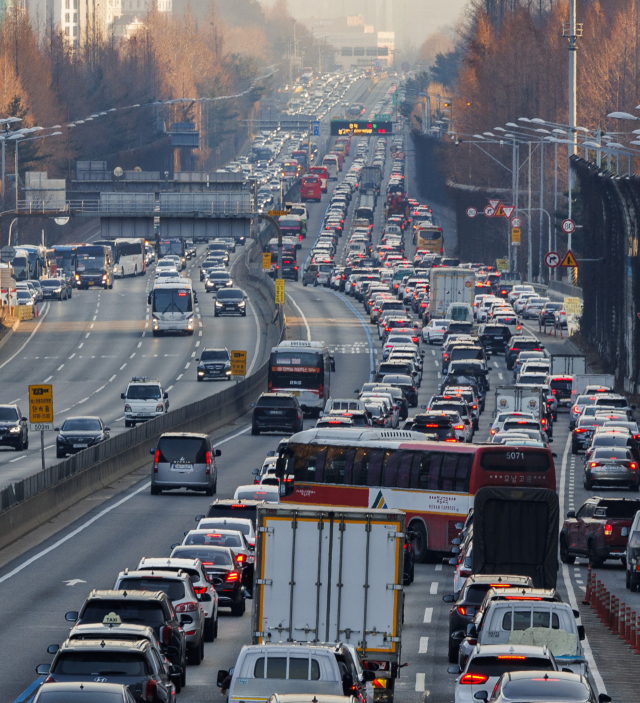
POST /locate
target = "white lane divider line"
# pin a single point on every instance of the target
(500, 376)
(24, 456)
(123, 365)
(420, 682)
(168, 389)
(91, 326)
(187, 365)
(197, 344)
(46, 309)
(179, 377)
(146, 324)
(424, 645)
(428, 615)
(71, 357)
(60, 367)
(95, 317)
(81, 345)
(112, 378)
(47, 379)
(435, 361)
(193, 354)
(139, 345)
(438, 567)
(433, 353)
(84, 400)
(434, 588)
(495, 363)
(304, 319)
(87, 335)
(132, 355)
(200, 332)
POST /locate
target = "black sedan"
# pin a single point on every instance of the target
(231, 301)
(78, 433)
(224, 571)
(54, 288)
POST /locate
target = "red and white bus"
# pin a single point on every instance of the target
(433, 482)
(310, 188)
(323, 174)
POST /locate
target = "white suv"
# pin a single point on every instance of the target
(144, 400)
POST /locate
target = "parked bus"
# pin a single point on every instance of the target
(130, 257)
(310, 188)
(433, 482)
(94, 266)
(304, 369)
(323, 174)
(172, 305)
(429, 238)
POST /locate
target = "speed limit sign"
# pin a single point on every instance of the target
(516, 222)
(471, 212)
(568, 226)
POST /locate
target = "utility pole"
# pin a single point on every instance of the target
(541, 208)
(514, 197)
(572, 31)
(530, 249)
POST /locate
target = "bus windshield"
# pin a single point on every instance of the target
(296, 369)
(172, 300)
(91, 263)
(170, 246)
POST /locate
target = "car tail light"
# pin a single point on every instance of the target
(189, 607)
(233, 576)
(522, 598)
(579, 429)
(500, 585)
(462, 610)
(49, 679)
(451, 439)
(510, 656)
(474, 679)
(465, 572)
(458, 427)
(199, 589)
(633, 465)
(576, 409)
(166, 634)
(608, 530)
(240, 558)
(157, 459)
(593, 463)
(553, 391)
(151, 690)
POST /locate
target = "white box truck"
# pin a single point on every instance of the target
(581, 381)
(568, 364)
(326, 575)
(515, 399)
(449, 285)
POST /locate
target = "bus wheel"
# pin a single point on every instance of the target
(421, 552)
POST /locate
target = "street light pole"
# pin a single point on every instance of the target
(530, 248)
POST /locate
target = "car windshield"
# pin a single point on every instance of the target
(610, 454)
(174, 589)
(498, 665)
(250, 493)
(101, 663)
(23, 294)
(172, 300)
(230, 294)
(209, 556)
(223, 524)
(611, 440)
(182, 450)
(143, 393)
(215, 355)
(143, 612)
(81, 425)
(275, 402)
(50, 284)
(545, 688)
(8, 414)
(616, 508)
(219, 276)
(80, 696)
(219, 539)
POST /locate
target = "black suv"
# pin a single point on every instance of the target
(438, 424)
(518, 344)
(277, 412)
(152, 608)
(214, 363)
(494, 338)
(231, 301)
(470, 598)
(14, 431)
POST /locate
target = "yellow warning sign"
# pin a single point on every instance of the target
(280, 291)
(238, 363)
(569, 260)
(500, 211)
(502, 264)
(266, 261)
(515, 235)
(572, 306)
(41, 406)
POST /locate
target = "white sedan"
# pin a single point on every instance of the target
(434, 331)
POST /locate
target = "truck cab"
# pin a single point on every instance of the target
(144, 400)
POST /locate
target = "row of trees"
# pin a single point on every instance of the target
(217, 50)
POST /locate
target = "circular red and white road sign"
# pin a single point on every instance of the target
(489, 211)
(516, 222)
(399, 155)
(568, 226)
(552, 259)
(471, 212)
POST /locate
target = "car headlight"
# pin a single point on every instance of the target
(127, 408)
(159, 408)
(241, 304)
(15, 430)
(229, 283)
(218, 304)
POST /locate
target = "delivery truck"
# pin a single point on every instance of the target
(517, 399)
(449, 285)
(326, 575)
(581, 381)
(568, 364)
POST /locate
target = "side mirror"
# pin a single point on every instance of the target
(71, 616)
(43, 669)
(197, 358)
(177, 544)
(199, 517)
(453, 561)
(165, 395)
(321, 413)
(550, 441)
(107, 429)
(56, 429)
(455, 541)
(481, 696)
(576, 614)
(253, 405)
(255, 472)
(123, 396)
(472, 630)
(450, 598)
(368, 676)
(53, 648)
(604, 698)
(152, 450)
(459, 526)
(218, 452)
(581, 634)
(222, 675)
(554, 455)
(571, 513)
(455, 550)
(453, 670)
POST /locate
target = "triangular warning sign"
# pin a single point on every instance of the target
(494, 203)
(569, 260)
(508, 210)
(500, 211)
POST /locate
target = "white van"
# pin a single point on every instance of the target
(331, 164)
(343, 405)
(460, 312)
(262, 670)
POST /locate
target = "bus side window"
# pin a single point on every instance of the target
(349, 467)
(308, 459)
(374, 471)
(448, 472)
(335, 465)
(404, 470)
(463, 473)
(391, 461)
(426, 471)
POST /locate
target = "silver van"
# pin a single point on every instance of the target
(184, 460)
(262, 670)
(310, 275)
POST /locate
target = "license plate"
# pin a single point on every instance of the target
(182, 467)
(297, 393)
(90, 283)
(275, 412)
(80, 446)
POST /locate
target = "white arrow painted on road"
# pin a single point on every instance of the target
(73, 582)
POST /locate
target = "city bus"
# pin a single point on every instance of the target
(433, 482)
(323, 174)
(62, 260)
(94, 266)
(290, 169)
(304, 369)
(172, 304)
(30, 262)
(310, 188)
(429, 238)
(130, 257)
(302, 157)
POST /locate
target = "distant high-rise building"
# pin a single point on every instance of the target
(7, 7)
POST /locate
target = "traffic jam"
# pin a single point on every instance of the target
(418, 512)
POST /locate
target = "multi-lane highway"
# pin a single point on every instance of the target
(100, 342)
